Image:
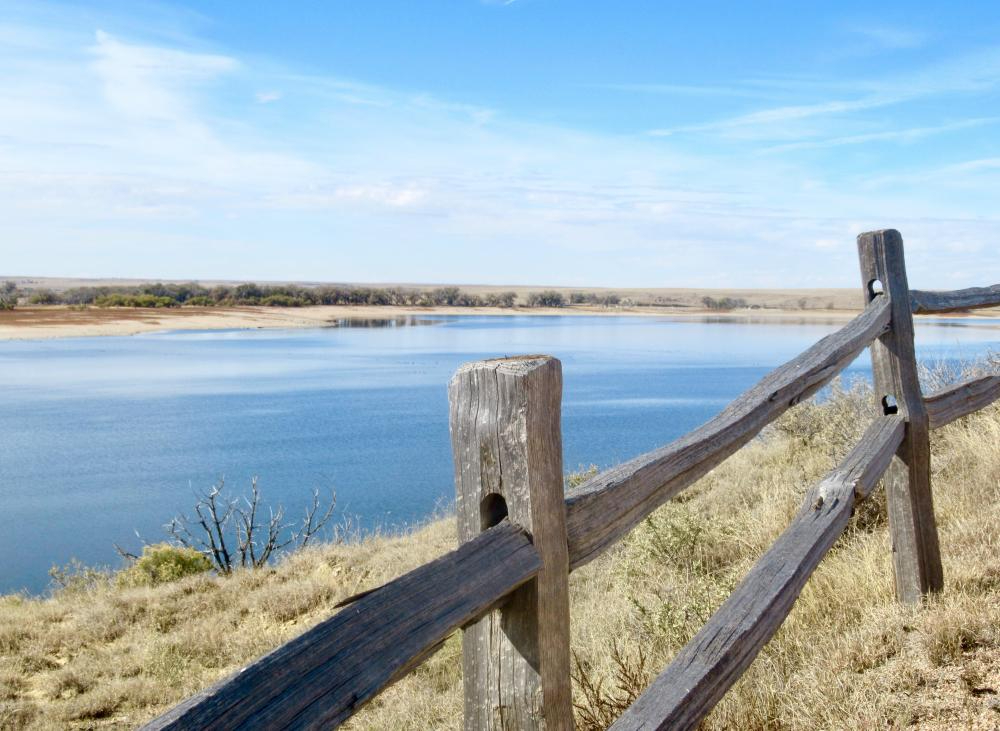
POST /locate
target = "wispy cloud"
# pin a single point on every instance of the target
(902, 136)
(890, 37)
(747, 91)
(821, 123)
(149, 82)
(767, 117)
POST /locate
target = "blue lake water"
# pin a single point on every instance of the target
(101, 438)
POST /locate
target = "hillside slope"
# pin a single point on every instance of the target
(97, 656)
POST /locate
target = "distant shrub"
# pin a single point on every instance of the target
(161, 563)
(8, 296)
(83, 295)
(500, 299)
(592, 298)
(135, 300)
(546, 298)
(281, 300)
(726, 303)
(43, 297)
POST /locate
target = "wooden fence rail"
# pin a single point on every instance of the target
(506, 584)
(961, 400)
(926, 303)
(323, 676)
(715, 658)
(607, 506)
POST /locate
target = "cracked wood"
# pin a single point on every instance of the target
(507, 444)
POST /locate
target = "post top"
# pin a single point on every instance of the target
(517, 364)
(886, 233)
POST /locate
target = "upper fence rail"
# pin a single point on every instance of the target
(609, 505)
(322, 677)
(926, 303)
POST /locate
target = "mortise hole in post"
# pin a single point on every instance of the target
(492, 510)
(889, 405)
(875, 288)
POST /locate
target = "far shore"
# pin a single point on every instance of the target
(41, 323)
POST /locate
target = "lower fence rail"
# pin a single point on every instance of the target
(714, 659)
(962, 399)
(322, 677)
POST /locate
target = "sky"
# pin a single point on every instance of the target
(575, 143)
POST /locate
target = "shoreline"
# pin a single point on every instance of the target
(57, 321)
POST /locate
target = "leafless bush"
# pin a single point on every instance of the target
(233, 532)
(602, 706)
(935, 376)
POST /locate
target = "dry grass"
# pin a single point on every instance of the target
(848, 657)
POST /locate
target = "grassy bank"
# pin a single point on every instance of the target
(104, 656)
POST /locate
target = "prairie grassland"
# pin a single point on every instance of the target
(97, 655)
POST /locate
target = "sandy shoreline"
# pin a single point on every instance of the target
(41, 323)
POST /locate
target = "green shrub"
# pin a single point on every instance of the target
(43, 297)
(8, 296)
(161, 563)
(135, 300)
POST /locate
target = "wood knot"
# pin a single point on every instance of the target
(818, 503)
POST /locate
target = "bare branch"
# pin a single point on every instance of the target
(220, 522)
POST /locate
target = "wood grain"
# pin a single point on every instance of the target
(605, 507)
(507, 444)
(960, 400)
(924, 303)
(717, 656)
(322, 677)
(915, 550)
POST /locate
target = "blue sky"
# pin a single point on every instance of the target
(534, 141)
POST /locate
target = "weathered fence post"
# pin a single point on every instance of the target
(915, 551)
(507, 444)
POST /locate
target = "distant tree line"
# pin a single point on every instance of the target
(158, 295)
(281, 295)
(290, 295)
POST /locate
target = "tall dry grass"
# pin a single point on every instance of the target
(100, 656)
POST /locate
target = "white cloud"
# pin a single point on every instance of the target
(122, 156)
(152, 83)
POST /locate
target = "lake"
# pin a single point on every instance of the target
(102, 439)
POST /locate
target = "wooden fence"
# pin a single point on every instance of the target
(506, 586)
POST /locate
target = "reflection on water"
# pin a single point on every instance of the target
(380, 322)
(101, 437)
(783, 319)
